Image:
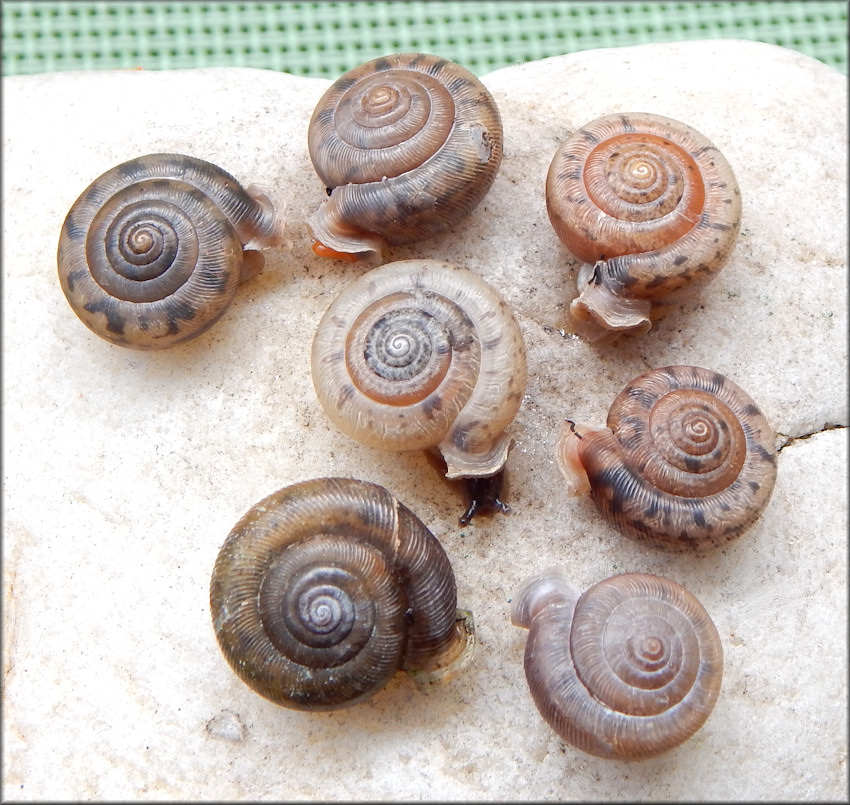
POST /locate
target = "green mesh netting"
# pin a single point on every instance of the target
(326, 39)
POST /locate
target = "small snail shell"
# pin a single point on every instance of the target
(151, 253)
(326, 588)
(628, 670)
(688, 460)
(421, 353)
(406, 146)
(652, 209)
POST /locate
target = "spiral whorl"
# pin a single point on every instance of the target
(327, 588)
(630, 670)
(406, 145)
(421, 353)
(379, 124)
(687, 461)
(650, 206)
(150, 255)
(645, 192)
(683, 436)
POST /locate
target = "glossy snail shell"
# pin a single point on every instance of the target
(326, 588)
(406, 145)
(151, 253)
(687, 461)
(421, 353)
(652, 209)
(628, 670)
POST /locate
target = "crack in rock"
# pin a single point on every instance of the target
(786, 440)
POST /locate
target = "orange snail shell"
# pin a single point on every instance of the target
(628, 670)
(687, 460)
(327, 588)
(150, 255)
(406, 145)
(650, 206)
(418, 354)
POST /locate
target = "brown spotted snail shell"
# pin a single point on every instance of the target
(406, 145)
(687, 460)
(327, 588)
(650, 207)
(419, 354)
(627, 670)
(150, 255)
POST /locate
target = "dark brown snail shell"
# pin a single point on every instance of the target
(150, 255)
(687, 460)
(406, 145)
(628, 670)
(327, 588)
(650, 207)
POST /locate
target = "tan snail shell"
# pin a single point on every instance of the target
(628, 670)
(687, 461)
(151, 253)
(326, 588)
(652, 209)
(406, 145)
(421, 353)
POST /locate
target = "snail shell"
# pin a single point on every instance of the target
(418, 354)
(688, 460)
(151, 253)
(406, 145)
(652, 209)
(628, 670)
(326, 588)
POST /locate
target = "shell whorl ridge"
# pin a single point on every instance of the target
(418, 354)
(650, 206)
(406, 145)
(151, 253)
(628, 670)
(327, 588)
(687, 460)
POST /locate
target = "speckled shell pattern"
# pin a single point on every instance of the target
(687, 461)
(628, 670)
(423, 353)
(327, 588)
(650, 206)
(406, 145)
(151, 253)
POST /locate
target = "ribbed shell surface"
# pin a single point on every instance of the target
(461, 351)
(651, 207)
(150, 254)
(632, 670)
(687, 462)
(305, 569)
(649, 196)
(407, 145)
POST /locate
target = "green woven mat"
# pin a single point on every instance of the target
(326, 39)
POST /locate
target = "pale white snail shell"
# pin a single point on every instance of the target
(422, 353)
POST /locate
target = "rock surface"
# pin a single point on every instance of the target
(124, 471)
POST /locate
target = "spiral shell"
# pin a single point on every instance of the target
(418, 354)
(628, 670)
(652, 209)
(406, 145)
(151, 253)
(326, 588)
(688, 460)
